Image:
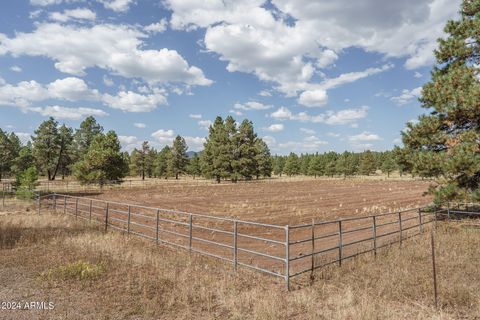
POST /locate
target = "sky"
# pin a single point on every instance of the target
(312, 76)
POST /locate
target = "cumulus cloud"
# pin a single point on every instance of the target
(251, 105)
(265, 93)
(130, 101)
(407, 96)
(76, 14)
(117, 5)
(308, 144)
(157, 27)
(164, 136)
(24, 136)
(115, 48)
(313, 98)
(72, 89)
(364, 136)
(16, 69)
(205, 124)
(307, 131)
(276, 127)
(195, 116)
(139, 125)
(194, 143)
(66, 113)
(341, 117)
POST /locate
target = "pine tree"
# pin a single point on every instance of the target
(347, 164)
(103, 162)
(216, 156)
(279, 163)
(140, 160)
(403, 160)
(179, 159)
(24, 160)
(388, 165)
(193, 167)
(247, 150)
(25, 183)
(292, 165)
(316, 166)
(66, 156)
(89, 128)
(48, 147)
(162, 168)
(367, 163)
(263, 159)
(446, 140)
(9, 149)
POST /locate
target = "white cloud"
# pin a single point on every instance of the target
(108, 81)
(78, 14)
(127, 139)
(164, 136)
(65, 113)
(22, 94)
(139, 125)
(117, 5)
(251, 105)
(24, 137)
(115, 48)
(308, 144)
(364, 136)
(194, 143)
(72, 89)
(313, 98)
(16, 69)
(407, 96)
(346, 116)
(417, 74)
(157, 27)
(307, 131)
(277, 127)
(265, 93)
(205, 124)
(195, 116)
(45, 2)
(270, 141)
(333, 134)
(235, 112)
(130, 101)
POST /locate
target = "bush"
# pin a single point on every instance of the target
(26, 181)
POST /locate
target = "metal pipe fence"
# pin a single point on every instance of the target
(285, 252)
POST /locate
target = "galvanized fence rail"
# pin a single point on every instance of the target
(283, 251)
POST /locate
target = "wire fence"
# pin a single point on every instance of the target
(10, 200)
(283, 251)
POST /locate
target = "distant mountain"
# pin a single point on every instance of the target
(191, 153)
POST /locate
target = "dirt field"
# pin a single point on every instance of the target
(281, 202)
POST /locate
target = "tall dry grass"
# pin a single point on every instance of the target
(43, 258)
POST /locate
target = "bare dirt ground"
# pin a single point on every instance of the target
(281, 202)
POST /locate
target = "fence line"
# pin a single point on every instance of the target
(282, 251)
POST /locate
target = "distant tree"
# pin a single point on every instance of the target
(179, 158)
(89, 129)
(316, 166)
(403, 160)
(103, 161)
(25, 183)
(304, 163)
(278, 164)
(263, 159)
(193, 167)
(50, 146)
(347, 164)
(24, 160)
(247, 150)
(367, 163)
(162, 168)
(388, 165)
(330, 168)
(428, 164)
(292, 165)
(216, 156)
(8, 152)
(139, 161)
(67, 151)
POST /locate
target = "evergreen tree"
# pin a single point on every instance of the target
(347, 164)
(162, 168)
(193, 167)
(103, 161)
(279, 163)
(66, 156)
(316, 166)
(367, 163)
(139, 161)
(48, 147)
(9, 148)
(89, 128)
(216, 156)
(388, 165)
(292, 165)
(247, 151)
(402, 160)
(179, 158)
(25, 183)
(263, 159)
(24, 159)
(446, 140)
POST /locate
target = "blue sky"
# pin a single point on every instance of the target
(311, 75)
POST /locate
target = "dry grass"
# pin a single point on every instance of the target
(42, 258)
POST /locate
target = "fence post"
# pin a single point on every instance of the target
(375, 235)
(287, 256)
(3, 198)
(235, 245)
(76, 208)
(190, 231)
(55, 201)
(340, 242)
(448, 210)
(64, 204)
(106, 217)
(313, 248)
(90, 211)
(420, 220)
(400, 226)
(129, 217)
(158, 218)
